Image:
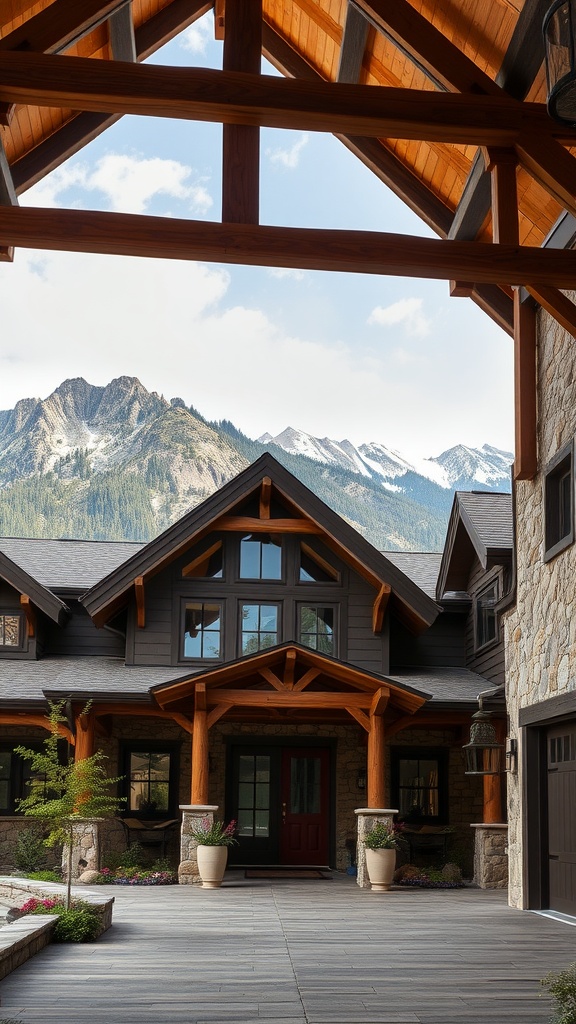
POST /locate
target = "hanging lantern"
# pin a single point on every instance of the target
(560, 55)
(483, 752)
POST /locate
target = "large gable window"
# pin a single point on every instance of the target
(317, 628)
(559, 503)
(202, 629)
(259, 627)
(10, 630)
(260, 557)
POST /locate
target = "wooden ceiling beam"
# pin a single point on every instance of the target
(241, 143)
(364, 252)
(238, 98)
(248, 524)
(353, 45)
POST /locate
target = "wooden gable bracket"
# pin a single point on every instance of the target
(271, 678)
(361, 717)
(216, 713)
(306, 679)
(265, 497)
(379, 608)
(140, 602)
(249, 524)
(30, 613)
(41, 721)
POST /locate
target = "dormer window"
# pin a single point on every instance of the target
(260, 557)
(10, 630)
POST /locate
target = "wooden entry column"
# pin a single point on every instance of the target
(199, 787)
(376, 760)
(492, 811)
(84, 736)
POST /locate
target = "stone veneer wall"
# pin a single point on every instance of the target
(540, 631)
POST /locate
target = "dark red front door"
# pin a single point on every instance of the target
(304, 795)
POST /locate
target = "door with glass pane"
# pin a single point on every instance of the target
(279, 797)
(304, 829)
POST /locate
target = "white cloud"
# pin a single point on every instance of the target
(196, 38)
(129, 184)
(405, 312)
(289, 158)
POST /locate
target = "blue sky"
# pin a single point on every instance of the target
(367, 358)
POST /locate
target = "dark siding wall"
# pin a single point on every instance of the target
(489, 661)
(80, 636)
(444, 644)
(159, 641)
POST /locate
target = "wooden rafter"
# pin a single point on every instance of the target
(140, 594)
(353, 45)
(271, 678)
(306, 679)
(121, 33)
(30, 614)
(304, 248)
(361, 717)
(201, 560)
(216, 713)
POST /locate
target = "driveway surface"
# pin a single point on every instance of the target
(300, 952)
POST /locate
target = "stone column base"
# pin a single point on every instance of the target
(86, 843)
(192, 815)
(367, 818)
(491, 856)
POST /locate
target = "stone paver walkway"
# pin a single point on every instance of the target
(298, 952)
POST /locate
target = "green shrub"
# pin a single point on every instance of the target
(30, 851)
(76, 925)
(562, 988)
(44, 876)
(133, 857)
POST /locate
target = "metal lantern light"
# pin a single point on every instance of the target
(559, 29)
(483, 752)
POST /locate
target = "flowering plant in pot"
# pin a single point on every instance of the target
(381, 843)
(213, 838)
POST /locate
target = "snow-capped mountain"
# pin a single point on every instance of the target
(458, 468)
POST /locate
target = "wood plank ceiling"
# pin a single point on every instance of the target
(442, 99)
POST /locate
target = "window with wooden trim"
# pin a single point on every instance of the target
(11, 632)
(202, 630)
(316, 627)
(16, 774)
(259, 627)
(559, 503)
(419, 783)
(260, 557)
(485, 618)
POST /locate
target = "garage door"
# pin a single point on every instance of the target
(562, 817)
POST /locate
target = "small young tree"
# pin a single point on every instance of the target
(60, 794)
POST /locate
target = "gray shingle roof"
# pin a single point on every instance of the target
(22, 681)
(446, 685)
(490, 515)
(420, 566)
(67, 564)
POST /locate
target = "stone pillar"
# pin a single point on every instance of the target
(86, 847)
(491, 856)
(192, 815)
(367, 818)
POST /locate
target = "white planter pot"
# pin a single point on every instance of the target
(381, 865)
(211, 865)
